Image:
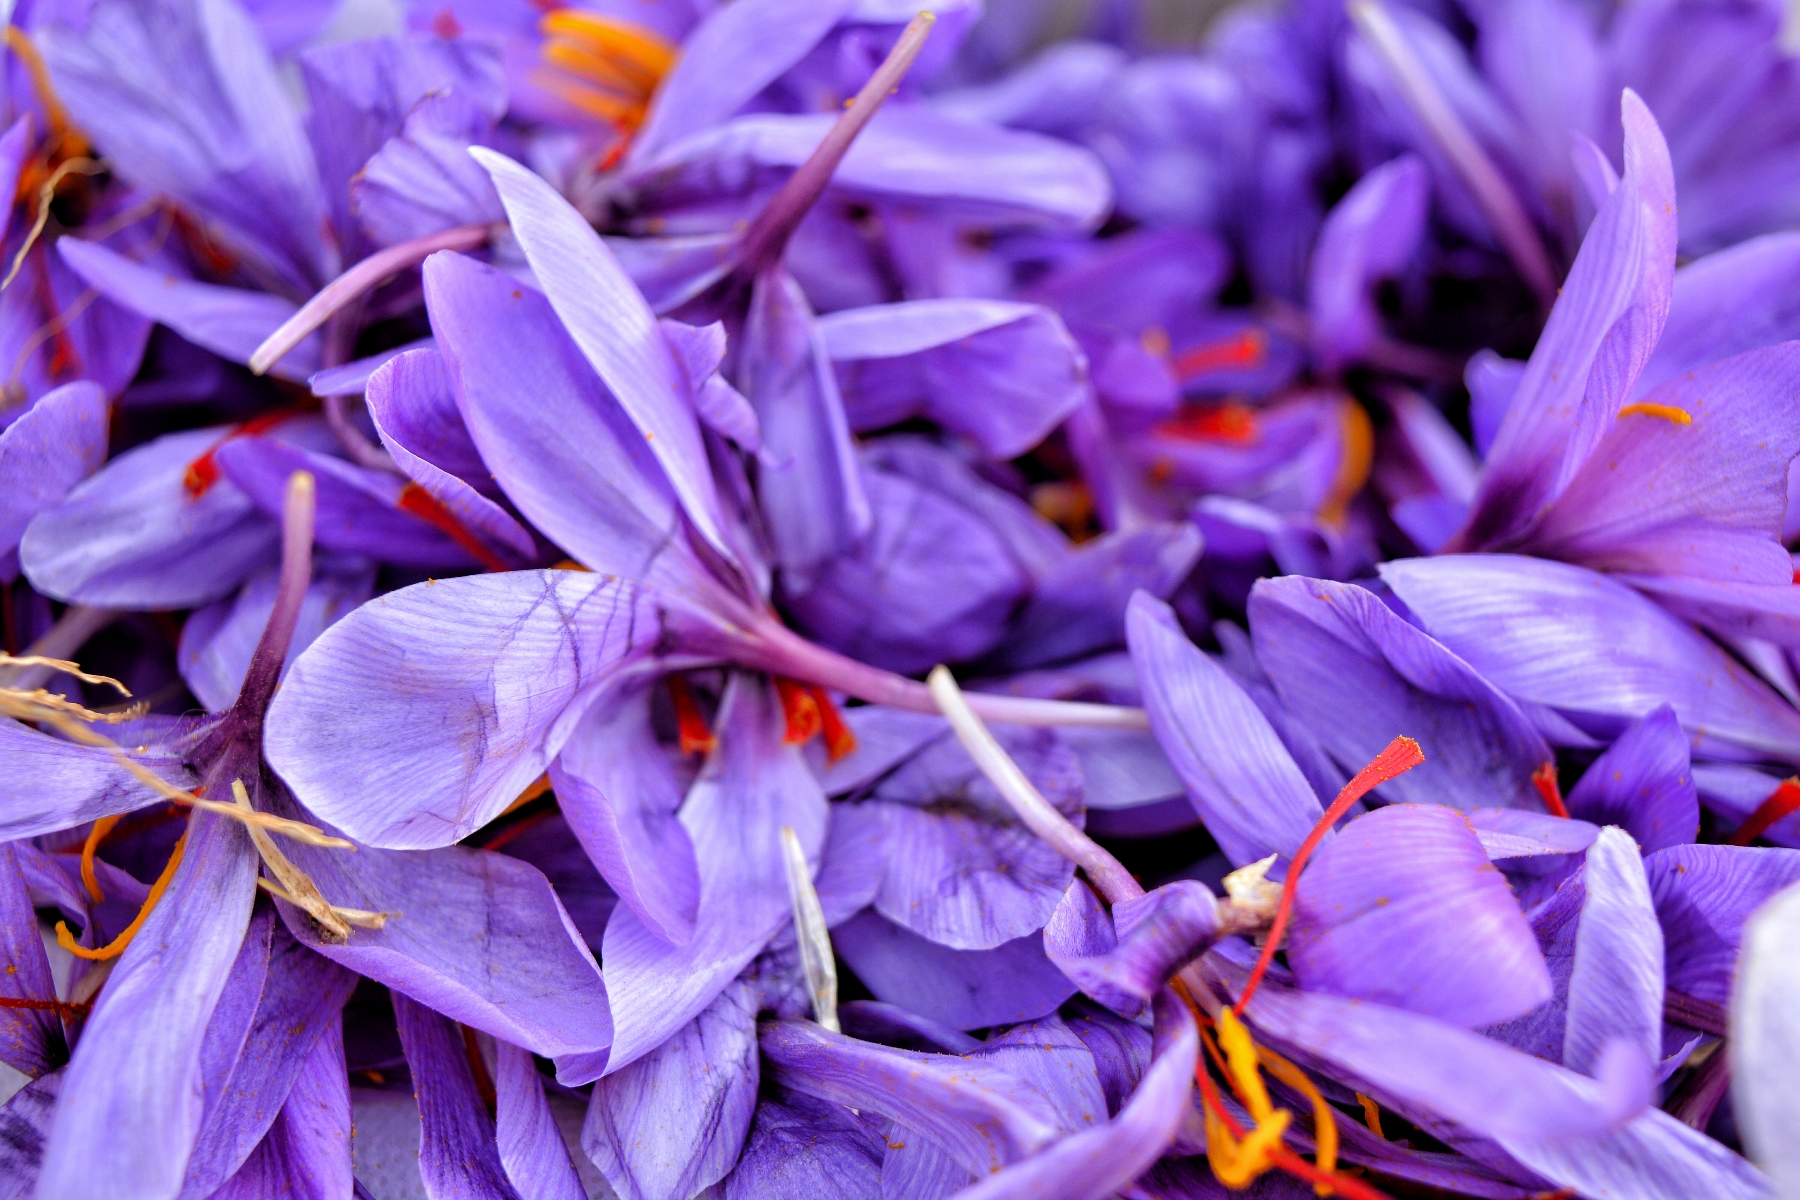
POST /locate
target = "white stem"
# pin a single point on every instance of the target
(816, 959)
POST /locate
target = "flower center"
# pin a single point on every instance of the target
(605, 67)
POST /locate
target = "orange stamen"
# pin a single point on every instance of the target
(95, 836)
(1371, 1115)
(63, 141)
(839, 740)
(1401, 755)
(1783, 801)
(605, 67)
(203, 472)
(117, 946)
(1227, 422)
(696, 735)
(1668, 412)
(536, 788)
(1243, 350)
(801, 709)
(423, 505)
(1544, 779)
(1355, 460)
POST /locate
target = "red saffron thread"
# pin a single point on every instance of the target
(423, 505)
(1784, 800)
(1544, 779)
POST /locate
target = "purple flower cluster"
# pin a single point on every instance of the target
(494, 514)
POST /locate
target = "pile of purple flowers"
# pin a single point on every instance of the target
(800, 598)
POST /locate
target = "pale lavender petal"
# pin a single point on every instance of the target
(618, 790)
(607, 317)
(352, 377)
(1048, 1056)
(1531, 626)
(1616, 989)
(672, 1123)
(306, 1154)
(1492, 383)
(126, 537)
(218, 640)
(458, 1154)
(1121, 1051)
(885, 737)
(132, 1102)
(799, 1146)
(1242, 781)
(1369, 235)
(1003, 373)
(1703, 896)
(422, 181)
(231, 322)
(1726, 303)
(965, 989)
(1095, 1163)
(1765, 1040)
(58, 443)
(31, 1040)
(531, 1150)
(1737, 612)
(982, 1116)
(52, 784)
(1359, 676)
(1644, 784)
(512, 659)
(1402, 908)
(1518, 833)
(750, 788)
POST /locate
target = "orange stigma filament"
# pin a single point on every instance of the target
(809, 712)
(1356, 457)
(423, 505)
(1782, 802)
(117, 946)
(1246, 349)
(1213, 423)
(696, 735)
(1401, 755)
(95, 836)
(1544, 779)
(605, 67)
(1668, 412)
(203, 472)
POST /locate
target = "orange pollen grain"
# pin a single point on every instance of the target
(1241, 351)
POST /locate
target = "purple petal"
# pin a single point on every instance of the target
(891, 1025)
(1532, 627)
(885, 737)
(1369, 235)
(1517, 833)
(672, 1123)
(1703, 896)
(930, 357)
(507, 661)
(24, 1125)
(132, 1102)
(412, 401)
(1765, 1042)
(982, 1116)
(531, 1150)
(1095, 1163)
(1643, 784)
(616, 331)
(184, 101)
(799, 1146)
(965, 989)
(1599, 336)
(1358, 676)
(1129, 783)
(231, 322)
(1726, 303)
(1401, 907)
(31, 1041)
(811, 486)
(458, 1155)
(1048, 1056)
(1704, 499)
(422, 181)
(128, 537)
(751, 786)
(1735, 611)
(51, 784)
(540, 418)
(58, 443)
(617, 788)
(307, 1151)
(269, 1045)
(1493, 382)
(1616, 990)
(931, 583)
(1157, 934)
(1241, 779)
(959, 869)
(217, 641)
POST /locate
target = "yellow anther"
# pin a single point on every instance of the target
(1240, 1054)
(1325, 1132)
(1668, 412)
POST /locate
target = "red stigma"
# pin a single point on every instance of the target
(1241, 351)
(1213, 423)
(1783, 801)
(203, 472)
(810, 712)
(1544, 779)
(1402, 755)
(695, 734)
(423, 505)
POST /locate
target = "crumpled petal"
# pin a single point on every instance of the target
(751, 787)
(965, 989)
(672, 1123)
(1644, 784)
(618, 790)
(1240, 777)
(59, 442)
(1765, 1040)
(1358, 676)
(1402, 908)
(1150, 938)
(799, 1146)
(1530, 626)
(31, 1040)
(364, 715)
(458, 1153)
(1001, 372)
